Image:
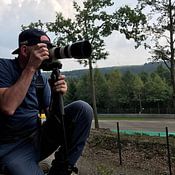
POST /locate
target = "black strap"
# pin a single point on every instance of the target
(40, 90)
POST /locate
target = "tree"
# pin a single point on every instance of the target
(131, 23)
(144, 76)
(132, 90)
(137, 90)
(82, 86)
(114, 90)
(156, 90)
(71, 95)
(101, 90)
(126, 89)
(164, 73)
(160, 29)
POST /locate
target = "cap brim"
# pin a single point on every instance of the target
(15, 51)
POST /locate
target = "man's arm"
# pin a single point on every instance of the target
(12, 97)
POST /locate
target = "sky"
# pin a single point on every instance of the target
(14, 13)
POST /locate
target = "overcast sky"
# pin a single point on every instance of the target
(14, 13)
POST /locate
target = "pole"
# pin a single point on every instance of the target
(119, 143)
(168, 151)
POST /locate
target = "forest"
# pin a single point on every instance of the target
(124, 91)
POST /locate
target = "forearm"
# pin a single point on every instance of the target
(12, 97)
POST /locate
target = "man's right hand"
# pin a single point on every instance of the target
(38, 54)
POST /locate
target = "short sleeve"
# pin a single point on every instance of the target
(6, 79)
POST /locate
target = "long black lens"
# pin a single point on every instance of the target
(78, 50)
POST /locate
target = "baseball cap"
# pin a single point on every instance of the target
(31, 37)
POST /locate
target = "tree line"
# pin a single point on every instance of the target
(127, 92)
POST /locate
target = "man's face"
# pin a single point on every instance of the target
(26, 51)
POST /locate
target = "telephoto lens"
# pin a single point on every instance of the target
(78, 50)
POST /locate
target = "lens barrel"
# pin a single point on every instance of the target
(78, 50)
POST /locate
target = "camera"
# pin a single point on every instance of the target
(77, 50)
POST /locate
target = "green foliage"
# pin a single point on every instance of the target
(161, 33)
(160, 27)
(127, 93)
(71, 94)
(144, 76)
(83, 86)
(163, 73)
(118, 92)
(101, 89)
(156, 89)
(114, 87)
(131, 23)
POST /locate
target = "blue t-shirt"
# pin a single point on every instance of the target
(25, 118)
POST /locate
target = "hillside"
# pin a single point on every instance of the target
(147, 67)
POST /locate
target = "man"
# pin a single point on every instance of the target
(23, 140)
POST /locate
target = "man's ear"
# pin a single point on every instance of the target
(23, 50)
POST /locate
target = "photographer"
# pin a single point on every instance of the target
(24, 142)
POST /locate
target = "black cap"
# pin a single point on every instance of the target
(31, 37)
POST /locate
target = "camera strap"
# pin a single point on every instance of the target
(40, 90)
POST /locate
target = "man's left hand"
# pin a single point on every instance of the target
(60, 85)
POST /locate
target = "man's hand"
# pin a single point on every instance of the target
(60, 85)
(38, 54)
